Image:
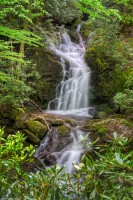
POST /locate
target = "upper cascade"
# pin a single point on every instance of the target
(72, 93)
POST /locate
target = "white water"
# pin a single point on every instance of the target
(72, 95)
(72, 154)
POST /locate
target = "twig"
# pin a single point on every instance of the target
(35, 105)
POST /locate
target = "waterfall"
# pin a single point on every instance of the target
(72, 93)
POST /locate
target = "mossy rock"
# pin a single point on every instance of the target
(16, 113)
(37, 128)
(98, 126)
(63, 130)
(70, 121)
(109, 126)
(32, 137)
(56, 122)
(19, 116)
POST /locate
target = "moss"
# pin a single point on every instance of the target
(63, 130)
(110, 125)
(126, 123)
(16, 113)
(57, 122)
(19, 116)
(32, 137)
(70, 121)
(100, 128)
(37, 128)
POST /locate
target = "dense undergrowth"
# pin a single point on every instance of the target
(107, 176)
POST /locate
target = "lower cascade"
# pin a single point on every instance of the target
(72, 93)
(72, 154)
(63, 151)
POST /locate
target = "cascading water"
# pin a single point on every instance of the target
(72, 96)
(72, 154)
(62, 151)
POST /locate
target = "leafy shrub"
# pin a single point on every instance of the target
(12, 91)
(12, 155)
(124, 100)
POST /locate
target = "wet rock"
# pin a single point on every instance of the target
(51, 159)
(64, 142)
(33, 138)
(37, 128)
(93, 112)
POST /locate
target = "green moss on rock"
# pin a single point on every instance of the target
(56, 122)
(19, 116)
(63, 130)
(37, 128)
(16, 113)
(32, 137)
(110, 125)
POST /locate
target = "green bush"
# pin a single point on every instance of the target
(12, 155)
(124, 100)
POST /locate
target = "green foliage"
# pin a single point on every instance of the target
(10, 90)
(107, 177)
(12, 155)
(97, 9)
(16, 19)
(124, 100)
(110, 176)
(109, 55)
(117, 10)
(64, 11)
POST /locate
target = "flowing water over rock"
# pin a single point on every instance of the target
(72, 95)
(72, 154)
(61, 150)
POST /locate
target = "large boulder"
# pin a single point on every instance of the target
(37, 128)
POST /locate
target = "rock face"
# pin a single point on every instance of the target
(49, 69)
